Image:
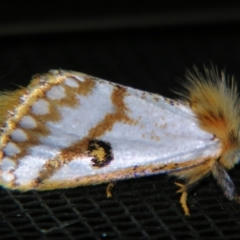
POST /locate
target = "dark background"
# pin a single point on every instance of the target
(144, 44)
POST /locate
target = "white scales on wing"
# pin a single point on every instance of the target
(156, 131)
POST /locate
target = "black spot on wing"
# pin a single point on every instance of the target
(101, 152)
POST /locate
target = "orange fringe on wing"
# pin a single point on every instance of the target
(8, 101)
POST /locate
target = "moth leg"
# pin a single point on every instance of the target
(109, 189)
(224, 181)
(192, 177)
(183, 198)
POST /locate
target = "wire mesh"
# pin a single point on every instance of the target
(146, 208)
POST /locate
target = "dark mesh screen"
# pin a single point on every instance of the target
(148, 58)
(147, 208)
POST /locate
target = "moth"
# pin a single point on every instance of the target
(68, 129)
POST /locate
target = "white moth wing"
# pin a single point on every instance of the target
(130, 132)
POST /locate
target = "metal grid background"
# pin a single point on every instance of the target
(147, 208)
